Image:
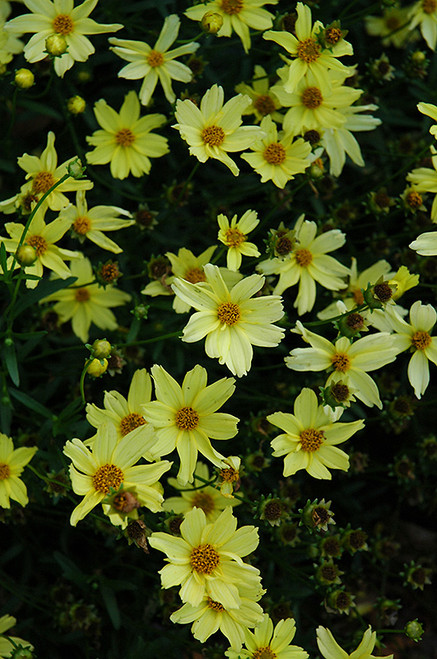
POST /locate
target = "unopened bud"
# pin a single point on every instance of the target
(414, 630)
(97, 367)
(101, 348)
(26, 255)
(56, 45)
(76, 169)
(76, 105)
(211, 22)
(24, 78)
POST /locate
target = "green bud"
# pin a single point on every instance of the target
(101, 348)
(414, 630)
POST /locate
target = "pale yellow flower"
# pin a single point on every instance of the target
(8, 645)
(425, 244)
(392, 27)
(12, 463)
(266, 641)
(264, 101)
(424, 179)
(330, 649)
(424, 15)
(234, 235)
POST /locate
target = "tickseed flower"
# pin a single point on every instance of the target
(238, 16)
(84, 302)
(425, 244)
(213, 129)
(392, 27)
(268, 643)
(8, 645)
(231, 319)
(12, 463)
(307, 263)
(264, 101)
(10, 44)
(43, 238)
(157, 63)
(125, 139)
(201, 496)
(429, 110)
(108, 466)
(310, 438)
(186, 417)
(229, 477)
(424, 15)
(350, 361)
(234, 236)
(330, 649)
(278, 158)
(43, 173)
(424, 179)
(59, 18)
(92, 222)
(206, 559)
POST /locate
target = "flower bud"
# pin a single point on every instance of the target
(414, 630)
(97, 367)
(26, 255)
(317, 516)
(56, 45)
(22, 653)
(76, 169)
(24, 78)
(76, 105)
(211, 22)
(101, 348)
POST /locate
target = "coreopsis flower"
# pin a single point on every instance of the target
(392, 27)
(200, 495)
(186, 418)
(213, 129)
(424, 15)
(310, 438)
(206, 561)
(267, 642)
(425, 244)
(157, 63)
(238, 16)
(12, 463)
(264, 101)
(42, 173)
(92, 222)
(308, 53)
(9, 643)
(85, 302)
(109, 466)
(429, 110)
(42, 238)
(231, 319)
(229, 477)
(307, 264)
(10, 44)
(126, 140)
(330, 649)
(350, 362)
(278, 158)
(234, 235)
(59, 18)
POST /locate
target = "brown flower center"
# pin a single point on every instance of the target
(195, 275)
(392, 23)
(341, 362)
(81, 225)
(264, 105)
(38, 243)
(358, 296)
(82, 295)
(216, 606)
(42, 182)
(275, 154)
(264, 653)
(414, 199)
(312, 98)
(125, 137)
(421, 340)
(311, 440)
(234, 237)
(186, 418)
(383, 292)
(232, 6)
(203, 500)
(5, 472)
(63, 24)
(303, 257)
(228, 313)
(204, 559)
(155, 58)
(130, 422)
(229, 475)
(333, 35)
(340, 392)
(429, 6)
(308, 50)
(213, 135)
(107, 476)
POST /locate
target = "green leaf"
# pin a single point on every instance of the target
(11, 361)
(3, 257)
(43, 290)
(31, 403)
(111, 605)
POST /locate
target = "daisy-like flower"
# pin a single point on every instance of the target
(392, 27)
(84, 302)
(214, 129)
(200, 495)
(270, 643)
(429, 110)
(308, 263)
(59, 17)
(234, 236)
(9, 644)
(12, 463)
(231, 319)
(278, 158)
(264, 101)
(425, 244)
(157, 63)
(310, 438)
(424, 179)
(424, 15)
(238, 16)
(416, 336)
(42, 173)
(206, 561)
(110, 465)
(186, 417)
(308, 53)
(10, 44)
(229, 477)
(125, 139)
(42, 238)
(350, 362)
(92, 222)
(330, 649)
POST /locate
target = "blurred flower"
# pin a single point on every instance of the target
(424, 15)
(264, 101)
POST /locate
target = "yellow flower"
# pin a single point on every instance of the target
(264, 101)
(12, 463)
(330, 649)
(234, 236)
(310, 438)
(238, 16)
(424, 179)
(231, 319)
(84, 303)
(8, 645)
(207, 559)
(268, 643)
(125, 139)
(424, 15)
(229, 477)
(155, 63)
(213, 129)
(431, 111)
(392, 26)
(425, 244)
(109, 466)
(59, 18)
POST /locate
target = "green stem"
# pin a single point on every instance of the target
(82, 380)
(316, 323)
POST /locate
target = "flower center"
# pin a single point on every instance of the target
(392, 23)
(275, 154)
(341, 362)
(232, 6)
(340, 392)
(130, 422)
(195, 275)
(308, 50)
(5, 472)
(230, 475)
(421, 340)
(264, 653)
(205, 501)
(234, 237)
(81, 225)
(216, 606)
(303, 257)
(312, 98)
(213, 135)
(155, 58)
(42, 182)
(414, 199)
(38, 243)
(63, 24)
(125, 137)
(82, 295)
(186, 418)
(204, 559)
(383, 292)
(107, 476)
(264, 105)
(429, 6)
(228, 313)
(358, 296)
(333, 35)
(311, 440)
